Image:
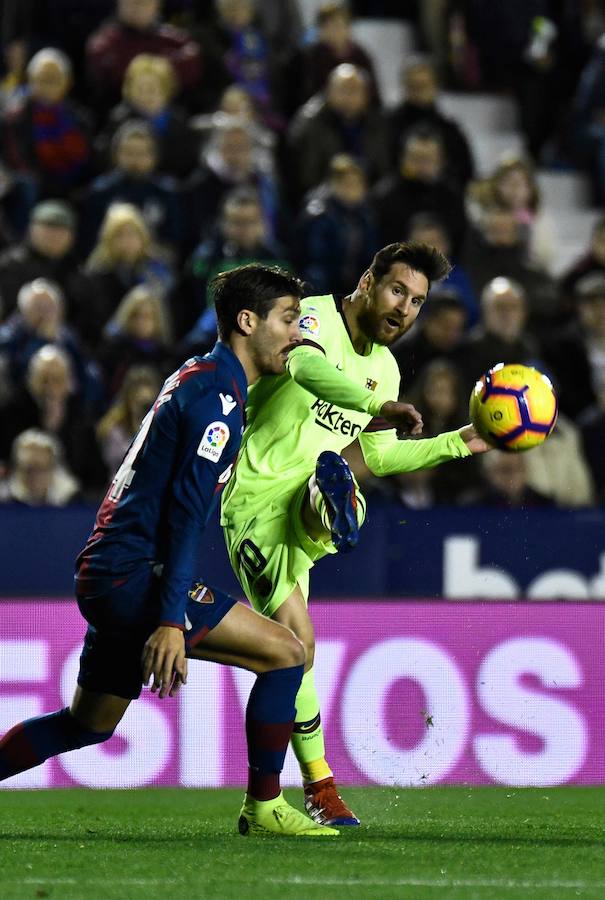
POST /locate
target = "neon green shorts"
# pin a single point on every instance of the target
(271, 554)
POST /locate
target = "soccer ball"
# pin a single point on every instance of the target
(513, 407)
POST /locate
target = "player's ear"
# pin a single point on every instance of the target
(365, 282)
(246, 321)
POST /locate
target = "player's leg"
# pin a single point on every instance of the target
(241, 637)
(322, 800)
(330, 511)
(91, 719)
(110, 675)
(272, 557)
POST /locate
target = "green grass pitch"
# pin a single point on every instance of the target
(453, 843)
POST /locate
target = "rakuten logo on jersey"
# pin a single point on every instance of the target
(331, 418)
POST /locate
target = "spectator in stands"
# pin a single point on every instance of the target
(48, 253)
(115, 431)
(588, 119)
(577, 354)
(237, 102)
(124, 257)
(13, 61)
(148, 89)
(240, 237)
(504, 483)
(139, 332)
(420, 107)
(500, 336)
(37, 475)
(231, 159)
(495, 247)
(592, 429)
(532, 48)
(593, 262)
(513, 186)
(439, 334)
(558, 468)
(310, 66)
(438, 393)
(133, 180)
(236, 51)
(337, 232)
(137, 29)
(44, 135)
(29, 25)
(18, 195)
(341, 119)
(419, 186)
(430, 229)
(236, 106)
(38, 320)
(48, 401)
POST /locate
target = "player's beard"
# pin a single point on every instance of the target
(369, 323)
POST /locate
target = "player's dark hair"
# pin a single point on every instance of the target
(255, 287)
(417, 256)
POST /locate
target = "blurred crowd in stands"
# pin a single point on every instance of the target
(146, 146)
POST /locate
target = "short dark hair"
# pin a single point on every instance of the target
(253, 286)
(417, 256)
(138, 128)
(424, 131)
(444, 300)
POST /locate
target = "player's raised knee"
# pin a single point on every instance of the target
(287, 650)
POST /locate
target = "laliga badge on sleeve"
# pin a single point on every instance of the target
(309, 325)
(213, 442)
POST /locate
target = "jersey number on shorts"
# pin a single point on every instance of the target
(253, 561)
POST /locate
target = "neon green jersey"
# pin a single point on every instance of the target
(329, 396)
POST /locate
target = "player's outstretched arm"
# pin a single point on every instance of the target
(164, 660)
(384, 454)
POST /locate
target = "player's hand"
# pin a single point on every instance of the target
(164, 659)
(404, 415)
(472, 440)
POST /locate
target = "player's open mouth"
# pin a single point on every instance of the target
(393, 323)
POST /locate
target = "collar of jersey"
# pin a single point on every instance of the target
(224, 354)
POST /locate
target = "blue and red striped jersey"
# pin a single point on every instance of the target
(159, 501)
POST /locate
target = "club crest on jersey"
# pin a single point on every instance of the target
(371, 384)
(199, 593)
(213, 441)
(309, 325)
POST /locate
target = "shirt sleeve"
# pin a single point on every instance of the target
(193, 495)
(308, 367)
(384, 454)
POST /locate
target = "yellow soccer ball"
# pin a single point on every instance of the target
(513, 407)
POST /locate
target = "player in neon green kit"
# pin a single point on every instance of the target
(293, 499)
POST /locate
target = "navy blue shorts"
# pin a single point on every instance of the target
(121, 614)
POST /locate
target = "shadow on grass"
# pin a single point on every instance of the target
(367, 835)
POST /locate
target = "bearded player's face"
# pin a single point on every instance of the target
(391, 304)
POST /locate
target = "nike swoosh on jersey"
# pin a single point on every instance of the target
(227, 403)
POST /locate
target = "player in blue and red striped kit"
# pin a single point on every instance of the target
(135, 578)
